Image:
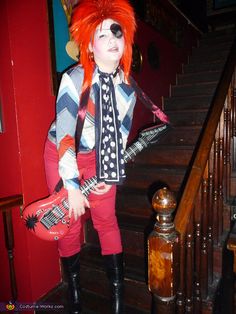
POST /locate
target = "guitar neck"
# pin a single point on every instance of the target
(134, 149)
(130, 153)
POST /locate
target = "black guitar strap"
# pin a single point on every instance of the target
(81, 117)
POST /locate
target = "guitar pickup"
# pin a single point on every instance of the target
(52, 217)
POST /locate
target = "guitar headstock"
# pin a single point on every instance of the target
(152, 134)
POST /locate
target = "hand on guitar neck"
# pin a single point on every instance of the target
(77, 203)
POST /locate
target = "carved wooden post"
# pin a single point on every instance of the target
(163, 254)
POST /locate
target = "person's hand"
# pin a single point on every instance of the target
(77, 203)
(101, 188)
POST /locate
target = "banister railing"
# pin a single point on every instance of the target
(202, 219)
(204, 205)
(199, 164)
(6, 205)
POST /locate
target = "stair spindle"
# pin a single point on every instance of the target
(204, 240)
(197, 254)
(189, 268)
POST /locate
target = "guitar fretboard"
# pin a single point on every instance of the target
(130, 153)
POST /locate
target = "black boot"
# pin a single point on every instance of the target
(115, 274)
(71, 268)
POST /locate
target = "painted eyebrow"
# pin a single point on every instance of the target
(102, 29)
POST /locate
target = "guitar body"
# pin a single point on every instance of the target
(48, 218)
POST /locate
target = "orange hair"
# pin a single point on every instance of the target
(87, 16)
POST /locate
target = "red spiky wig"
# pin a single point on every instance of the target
(87, 16)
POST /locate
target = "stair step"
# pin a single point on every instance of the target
(93, 278)
(187, 117)
(223, 33)
(97, 304)
(135, 268)
(210, 57)
(133, 201)
(216, 43)
(143, 177)
(132, 233)
(92, 258)
(206, 49)
(203, 66)
(214, 38)
(165, 155)
(210, 51)
(190, 102)
(193, 89)
(182, 135)
(199, 77)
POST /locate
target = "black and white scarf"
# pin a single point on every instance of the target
(109, 144)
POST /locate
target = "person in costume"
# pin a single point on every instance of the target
(94, 111)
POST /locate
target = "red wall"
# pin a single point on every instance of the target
(28, 109)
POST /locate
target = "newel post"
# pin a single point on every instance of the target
(163, 254)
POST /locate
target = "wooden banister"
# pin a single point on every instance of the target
(188, 198)
(6, 205)
(196, 238)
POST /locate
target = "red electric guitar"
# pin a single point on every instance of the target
(48, 218)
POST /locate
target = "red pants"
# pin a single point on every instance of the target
(102, 206)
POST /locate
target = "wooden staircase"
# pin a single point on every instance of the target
(166, 163)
